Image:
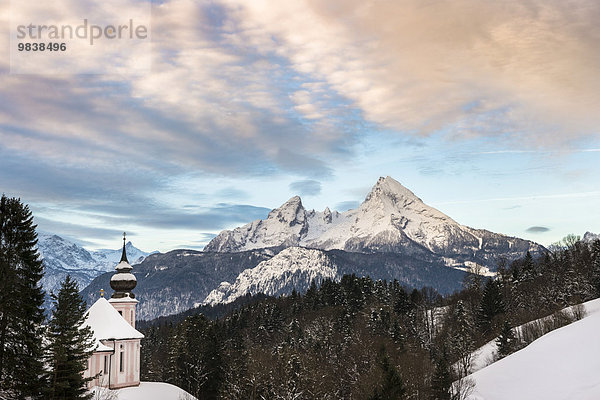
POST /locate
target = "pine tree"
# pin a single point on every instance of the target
(69, 345)
(21, 302)
(392, 386)
(492, 304)
(596, 266)
(462, 340)
(441, 381)
(528, 269)
(506, 342)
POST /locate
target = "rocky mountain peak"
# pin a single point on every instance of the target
(391, 219)
(290, 213)
(390, 189)
(327, 215)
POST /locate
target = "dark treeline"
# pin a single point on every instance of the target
(365, 339)
(37, 360)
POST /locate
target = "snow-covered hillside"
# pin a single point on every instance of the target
(561, 365)
(391, 219)
(146, 391)
(62, 257)
(293, 268)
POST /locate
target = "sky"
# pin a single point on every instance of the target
(488, 111)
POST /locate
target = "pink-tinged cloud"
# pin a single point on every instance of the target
(524, 68)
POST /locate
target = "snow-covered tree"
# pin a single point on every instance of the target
(506, 342)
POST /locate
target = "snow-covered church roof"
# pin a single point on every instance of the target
(107, 324)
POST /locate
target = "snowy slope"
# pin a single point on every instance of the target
(487, 354)
(561, 365)
(293, 268)
(146, 391)
(391, 219)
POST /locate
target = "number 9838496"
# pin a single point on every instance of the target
(35, 46)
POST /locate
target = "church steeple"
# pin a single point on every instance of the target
(123, 281)
(124, 255)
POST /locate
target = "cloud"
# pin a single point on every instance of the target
(231, 193)
(163, 217)
(78, 233)
(243, 89)
(537, 229)
(519, 68)
(306, 187)
(347, 205)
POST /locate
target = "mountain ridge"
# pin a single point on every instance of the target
(62, 257)
(390, 219)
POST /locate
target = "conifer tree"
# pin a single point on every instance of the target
(392, 386)
(528, 269)
(441, 381)
(492, 304)
(596, 266)
(69, 345)
(462, 340)
(506, 342)
(21, 302)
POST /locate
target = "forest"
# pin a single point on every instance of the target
(365, 339)
(358, 338)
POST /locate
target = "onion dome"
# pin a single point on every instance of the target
(123, 281)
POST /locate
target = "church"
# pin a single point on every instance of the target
(115, 362)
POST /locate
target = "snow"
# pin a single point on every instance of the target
(109, 257)
(125, 299)
(292, 268)
(99, 347)
(62, 257)
(123, 265)
(393, 209)
(123, 276)
(486, 354)
(390, 217)
(473, 267)
(108, 324)
(145, 391)
(561, 365)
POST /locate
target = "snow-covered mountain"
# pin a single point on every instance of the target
(293, 268)
(62, 257)
(106, 259)
(176, 281)
(391, 219)
(288, 225)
